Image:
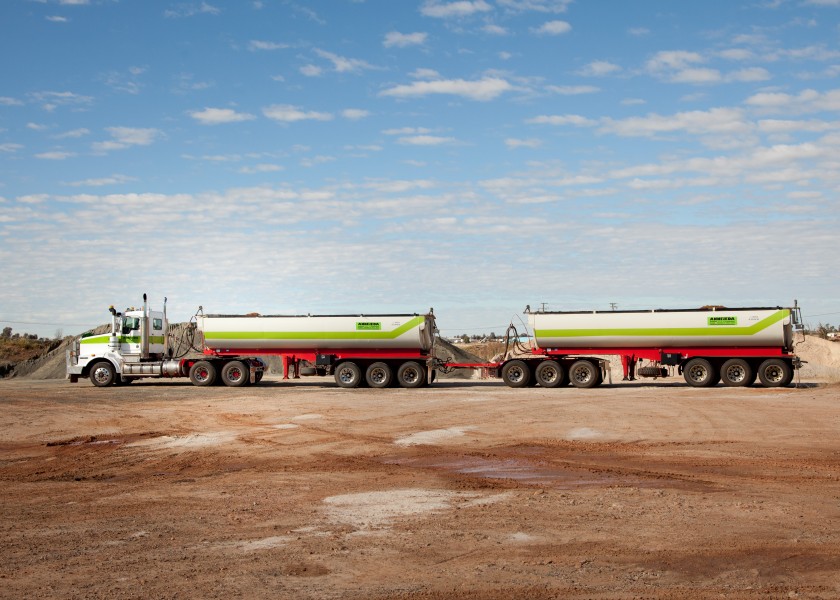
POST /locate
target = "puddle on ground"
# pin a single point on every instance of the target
(545, 475)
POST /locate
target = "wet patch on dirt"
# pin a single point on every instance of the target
(529, 470)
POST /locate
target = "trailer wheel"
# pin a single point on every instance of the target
(550, 374)
(348, 375)
(203, 373)
(102, 374)
(378, 375)
(411, 375)
(584, 374)
(775, 372)
(736, 372)
(699, 372)
(516, 374)
(235, 374)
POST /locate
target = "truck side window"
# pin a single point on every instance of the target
(157, 324)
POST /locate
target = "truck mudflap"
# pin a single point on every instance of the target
(71, 361)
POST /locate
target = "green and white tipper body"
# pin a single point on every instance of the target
(409, 332)
(706, 345)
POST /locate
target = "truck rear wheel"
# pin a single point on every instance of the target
(550, 374)
(348, 375)
(699, 372)
(584, 374)
(378, 375)
(516, 374)
(736, 372)
(203, 373)
(775, 372)
(102, 374)
(235, 374)
(411, 375)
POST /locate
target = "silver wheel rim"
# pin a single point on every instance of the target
(582, 375)
(234, 374)
(347, 375)
(736, 373)
(697, 373)
(101, 374)
(774, 373)
(378, 376)
(516, 374)
(410, 375)
(548, 375)
(202, 374)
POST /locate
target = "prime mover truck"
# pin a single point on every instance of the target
(373, 349)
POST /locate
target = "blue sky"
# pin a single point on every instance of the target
(337, 156)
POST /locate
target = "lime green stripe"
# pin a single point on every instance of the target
(314, 335)
(666, 331)
(123, 339)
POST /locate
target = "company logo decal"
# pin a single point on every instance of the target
(368, 326)
(722, 321)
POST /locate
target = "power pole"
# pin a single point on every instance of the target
(613, 305)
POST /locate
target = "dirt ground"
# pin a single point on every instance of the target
(460, 490)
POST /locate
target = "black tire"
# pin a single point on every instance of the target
(348, 375)
(235, 374)
(737, 372)
(411, 374)
(550, 374)
(103, 374)
(516, 373)
(775, 372)
(699, 372)
(379, 375)
(584, 374)
(203, 373)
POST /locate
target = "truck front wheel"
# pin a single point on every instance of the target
(102, 374)
(203, 373)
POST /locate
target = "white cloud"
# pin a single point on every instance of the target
(697, 75)
(311, 70)
(56, 19)
(10, 148)
(747, 75)
(673, 60)
(261, 168)
(576, 120)
(37, 126)
(73, 133)
(714, 121)
(424, 74)
(51, 100)
(553, 28)
(598, 68)
(806, 101)
(286, 113)
(407, 131)
(494, 29)
(255, 45)
(462, 8)
(572, 90)
(342, 64)
(545, 6)
(55, 155)
(638, 31)
(425, 140)
(354, 114)
(102, 181)
(125, 137)
(516, 143)
(401, 40)
(482, 90)
(190, 10)
(217, 116)
(6, 101)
